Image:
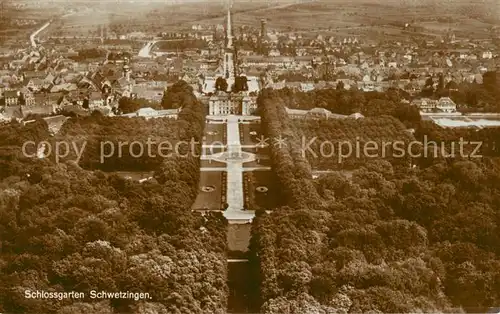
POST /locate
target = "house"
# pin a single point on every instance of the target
(487, 55)
(26, 76)
(35, 84)
(96, 100)
(279, 61)
(445, 104)
(304, 60)
(425, 104)
(222, 104)
(274, 53)
(29, 98)
(11, 97)
(63, 87)
(49, 78)
(48, 99)
(207, 37)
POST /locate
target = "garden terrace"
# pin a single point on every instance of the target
(212, 188)
(262, 191)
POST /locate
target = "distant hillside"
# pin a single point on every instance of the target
(461, 14)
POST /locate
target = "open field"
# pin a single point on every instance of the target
(340, 16)
(84, 22)
(125, 17)
(210, 200)
(17, 24)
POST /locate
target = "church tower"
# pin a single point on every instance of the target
(229, 51)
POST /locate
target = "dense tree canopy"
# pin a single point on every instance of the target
(291, 167)
(380, 237)
(174, 96)
(341, 101)
(64, 228)
(240, 84)
(221, 84)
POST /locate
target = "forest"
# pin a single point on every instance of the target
(291, 167)
(345, 134)
(96, 130)
(489, 137)
(67, 228)
(388, 238)
(341, 101)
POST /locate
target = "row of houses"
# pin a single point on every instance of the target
(87, 99)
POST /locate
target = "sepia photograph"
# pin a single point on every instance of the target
(249, 156)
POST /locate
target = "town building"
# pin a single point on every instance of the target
(444, 104)
(225, 104)
(149, 113)
(11, 97)
(425, 104)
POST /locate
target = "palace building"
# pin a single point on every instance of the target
(226, 104)
(229, 102)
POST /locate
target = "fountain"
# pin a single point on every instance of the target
(261, 189)
(208, 188)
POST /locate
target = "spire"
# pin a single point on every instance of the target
(229, 31)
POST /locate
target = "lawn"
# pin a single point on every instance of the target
(246, 138)
(269, 199)
(210, 200)
(214, 134)
(243, 284)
